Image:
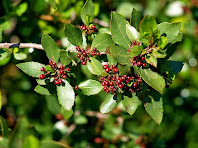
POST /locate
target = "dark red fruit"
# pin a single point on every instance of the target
(42, 68)
(78, 55)
(144, 64)
(139, 80)
(56, 82)
(103, 83)
(139, 63)
(134, 41)
(84, 28)
(119, 81)
(120, 85)
(78, 48)
(61, 71)
(54, 63)
(84, 54)
(135, 85)
(82, 50)
(81, 58)
(102, 78)
(55, 78)
(111, 83)
(143, 58)
(64, 76)
(61, 67)
(81, 27)
(93, 53)
(138, 43)
(50, 62)
(94, 48)
(113, 79)
(68, 69)
(84, 62)
(105, 88)
(93, 26)
(42, 76)
(127, 81)
(115, 70)
(76, 87)
(98, 53)
(105, 66)
(60, 81)
(113, 66)
(107, 69)
(122, 78)
(107, 91)
(106, 82)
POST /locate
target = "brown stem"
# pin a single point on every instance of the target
(21, 45)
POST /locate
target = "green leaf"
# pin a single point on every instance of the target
(1, 33)
(64, 58)
(45, 81)
(178, 38)
(20, 56)
(118, 30)
(87, 12)
(48, 68)
(170, 29)
(102, 41)
(162, 42)
(31, 68)
(95, 67)
(52, 104)
(4, 127)
(45, 90)
(74, 35)
(151, 60)
(135, 51)
(153, 79)
(80, 120)
(124, 69)
(108, 104)
(111, 60)
(148, 25)
(173, 67)
(159, 53)
(52, 3)
(21, 9)
(130, 104)
(31, 142)
(135, 19)
(90, 87)
(132, 33)
(119, 54)
(154, 106)
(50, 47)
(66, 95)
(66, 113)
(52, 144)
(3, 54)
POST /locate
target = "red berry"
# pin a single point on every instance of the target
(56, 82)
(42, 76)
(68, 69)
(64, 76)
(113, 66)
(138, 43)
(93, 26)
(84, 28)
(87, 58)
(103, 83)
(143, 58)
(76, 87)
(119, 81)
(107, 91)
(105, 88)
(106, 82)
(102, 78)
(113, 79)
(98, 53)
(78, 48)
(144, 64)
(81, 27)
(115, 70)
(61, 71)
(50, 62)
(94, 48)
(84, 62)
(42, 68)
(132, 77)
(122, 78)
(55, 78)
(107, 69)
(105, 66)
(134, 41)
(127, 81)
(81, 58)
(60, 81)
(93, 53)
(135, 85)
(84, 54)
(78, 55)
(111, 83)
(139, 63)
(82, 50)
(120, 85)
(61, 67)
(139, 80)
(54, 63)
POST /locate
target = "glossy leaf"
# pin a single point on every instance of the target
(170, 29)
(135, 19)
(66, 113)
(111, 60)
(102, 41)
(151, 60)
(94, 66)
(3, 127)
(31, 142)
(153, 79)
(120, 54)
(130, 104)
(64, 58)
(148, 24)
(118, 30)
(90, 87)
(124, 69)
(108, 104)
(162, 42)
(159, 53)
(132, 33)
(87, 12)
(173, 67)
(154, 106)
(50, 47)
(45, 90)
(74, 35)
(31, 68)
(3, 54)
(135, 51)
(66, 95)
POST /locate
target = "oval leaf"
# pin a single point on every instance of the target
(148, 24)
(50, 47)
(132, 33)
(108, 104)
(87, 12)
(31, 142)
(45, 90)
(31, 68)
(111, 60)
(135, 51)
(153, 79)
(135, 19)
(130, 104)
(90, 87)
(95, 67)
(154, 106)
(151, 60)
(66, 95)
(66, 113)
(159, 53)
(64, 58)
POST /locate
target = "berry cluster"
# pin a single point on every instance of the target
(88, 30)
(83, 55)
(139, 61)
(58, 73)
(113, 82)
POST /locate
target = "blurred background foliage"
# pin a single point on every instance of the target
(34, 120)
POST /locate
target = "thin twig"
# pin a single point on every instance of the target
(21, 45)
